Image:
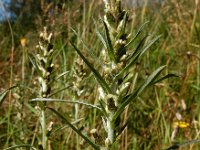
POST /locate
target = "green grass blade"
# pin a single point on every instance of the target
(33, 60)
(110, 49)
(22, 145)
(177, 146)
(62, 74)
(147, 82)
(75, 129)
(59, 90)
(99, 78)
(4, 94)
(90, 50)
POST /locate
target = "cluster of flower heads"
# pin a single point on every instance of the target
(44, 62)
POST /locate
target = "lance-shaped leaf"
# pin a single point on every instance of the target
(109, 45)
(90, 50)
(138, 55)
(102, 39)
(146, 83)
(67, 101)
(75, 129)
(121, 30)
(103, 108)
(99, 78)
(138, 48)
(165, 77)
(136, 35)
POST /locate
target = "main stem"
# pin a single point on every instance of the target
(111, 132)
(44, 129)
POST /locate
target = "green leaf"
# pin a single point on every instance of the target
(4, 94)
(75, 129)
(65, 126)
(123, 27)
(22, 145)
(90, 50)
(165, 77)
(177, 146)
(99, 34)
(146, 83)
(62, 74)
(109, 46)
(150, 44)
(67, 101)
(136, 35)
(55, 78)
(60, 90)
(99, 78)
(138, 55)
(151, 79)
(33, 61)
(138, 47)
(103, 108)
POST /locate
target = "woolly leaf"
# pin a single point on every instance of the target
(146, 83)
(109, 46)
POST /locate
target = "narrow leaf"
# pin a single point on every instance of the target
(151, 43)
(103, 108)
(138, 47)
(75, 129)
(60, 90)
(99, 34)
(90, 50)
(4, 94)
(67, 101)
(136, 35)
(66, 126)
(123, 27)
(22, 145)
(62, 74)
(99, 78)
(33, 60)
(110, 49)
(176, 146)
(138, 55)
(147, 82)
(151, 79)
(122, 128)
(165, 77)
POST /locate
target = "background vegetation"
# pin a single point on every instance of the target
(152, 119)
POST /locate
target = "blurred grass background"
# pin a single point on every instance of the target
(151, 116)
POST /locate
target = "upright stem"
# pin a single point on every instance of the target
(44, 131)
(115, 21)
(111, 131)
(45, 67)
